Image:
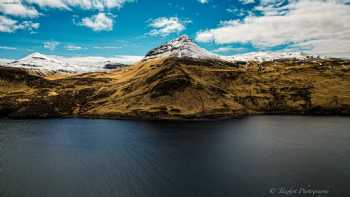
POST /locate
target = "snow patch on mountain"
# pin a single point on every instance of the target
(50, 63)
(43, 63)
(267, 56)
(180, 47)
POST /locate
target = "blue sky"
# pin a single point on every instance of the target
(132, 27)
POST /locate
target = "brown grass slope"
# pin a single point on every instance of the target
(178, 88)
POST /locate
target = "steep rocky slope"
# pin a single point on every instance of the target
(172, 87)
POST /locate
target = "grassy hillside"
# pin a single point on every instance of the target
(175, 88)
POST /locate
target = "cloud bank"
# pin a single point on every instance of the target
(9, 25)
(13, 11)
(164, 26)
(99, 22)
(51, 45)
(203, 1)
(319, 27)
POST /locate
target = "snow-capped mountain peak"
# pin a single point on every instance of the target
(38, 60)
(54, 64)
(35, 55)
(182, 46)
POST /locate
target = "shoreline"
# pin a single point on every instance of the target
(176, 119)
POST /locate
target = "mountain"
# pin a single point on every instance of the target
(44, 63)
(180, 81)
(48, 64)
(182, 47)
(268, 56)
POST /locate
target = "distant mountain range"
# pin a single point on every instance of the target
(49, 64)
(177, 80)
(182, 47)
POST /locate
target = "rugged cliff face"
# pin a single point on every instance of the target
(182, 88)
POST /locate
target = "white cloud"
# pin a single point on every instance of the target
(127, 59)
(99, 22)
(5, 60)
(228, 49)
(107, 47)
(124, 59)
(276, 7)
(72, 47)
(51, 45)
(16, 8)
(203, 1)
(327, 47)
(28, 25)
(222, 49)
(240, 12)
(317, 26)
(7, 48)
(247, 1)
(60, 4)
(29, 9)
(10, 25)
(83, 4)
(7, 24)
(163, 26)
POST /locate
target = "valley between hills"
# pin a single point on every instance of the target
(184, 84)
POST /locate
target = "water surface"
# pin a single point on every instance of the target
(242, 158)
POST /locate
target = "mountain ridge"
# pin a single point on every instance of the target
(51, 64)
(182, 88)
(182, 47)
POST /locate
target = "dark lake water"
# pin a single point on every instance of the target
(254, 156)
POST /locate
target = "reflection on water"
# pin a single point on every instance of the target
(246, 157)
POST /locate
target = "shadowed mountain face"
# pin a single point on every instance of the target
(169, 87)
